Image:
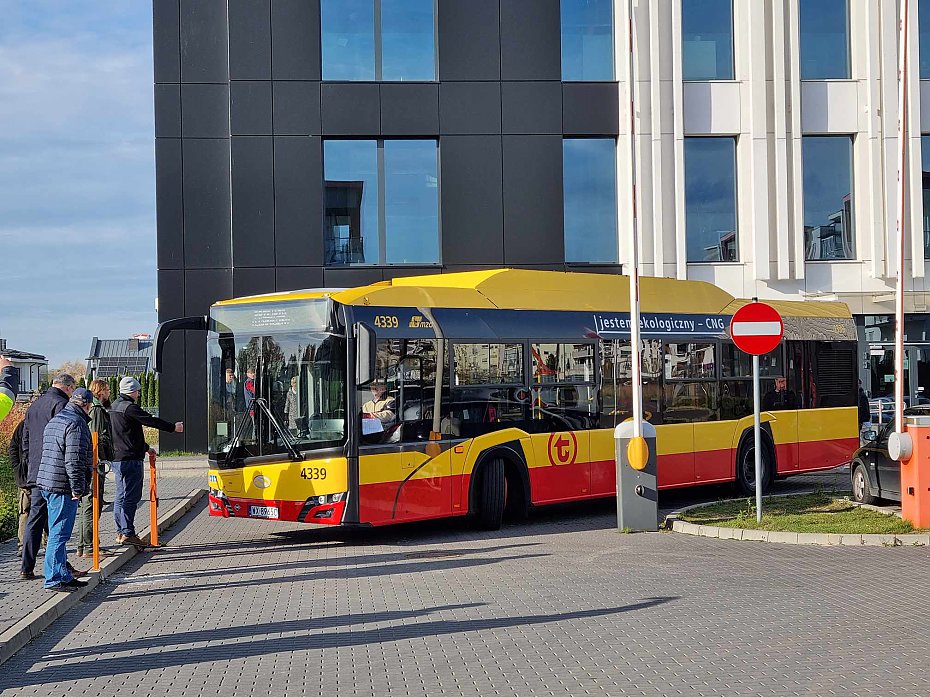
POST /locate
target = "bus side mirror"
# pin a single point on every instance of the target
(365, 354)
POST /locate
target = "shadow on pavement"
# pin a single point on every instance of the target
(91, 666)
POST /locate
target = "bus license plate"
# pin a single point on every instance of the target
(263, 512)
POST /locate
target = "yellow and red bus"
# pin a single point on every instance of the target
(487, 392)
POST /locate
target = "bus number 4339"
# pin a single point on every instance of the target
(313, 473)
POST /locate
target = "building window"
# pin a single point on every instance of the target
(391, 40)
(707, 39)
(589, 181)
(923, 38)
(587, 40)
(710, 199)
(828, 216)
(824, 27)
(925, 179)
(381, 202)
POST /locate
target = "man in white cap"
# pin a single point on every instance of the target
(129, 448)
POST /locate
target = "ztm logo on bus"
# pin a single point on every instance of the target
(563, 448)
(756, 328)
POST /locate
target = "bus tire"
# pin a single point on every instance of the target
(746, 465)
(489, 504)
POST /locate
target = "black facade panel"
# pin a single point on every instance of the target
(351, 108)
(469, 40)
(470, 108)
(298, 176)
(250, 108)
(297, 277)
(166, 40)
(590, 108)
(295, 44)
(204, 44)
(253, 201)
(531, 108)
(253, 282)
(171, 383)
(169, 203)
(409, 109)
(167, 111)
(195, 405)
(533, 200)
(351, 278)
(249, 39)
(472, 200)
(205, 111)
(297, 108)
(206, 204)
(531, 43)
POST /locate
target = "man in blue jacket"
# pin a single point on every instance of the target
(9, 386)
(37, 417)
(63, 478)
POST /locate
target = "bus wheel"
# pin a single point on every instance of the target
(746, 467)
(489, 506)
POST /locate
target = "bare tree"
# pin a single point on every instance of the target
(75, 369)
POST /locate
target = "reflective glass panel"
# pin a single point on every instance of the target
(562, 362)
(351, 198)
(411, 201)
(589, 177)
(587, 40)
(690, 361)
(828, 217)
(690, 402)
(710, 199)
(488, 364)
(407, 40)
(824, 28)
(925, 179)
(348, 38)
(707, 39)
(923, 36)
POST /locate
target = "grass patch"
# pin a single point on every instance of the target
(178, 453)
(9, 505)
(820, 513)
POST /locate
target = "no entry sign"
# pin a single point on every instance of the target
(756, 328)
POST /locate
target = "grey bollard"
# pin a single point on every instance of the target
(637, 491)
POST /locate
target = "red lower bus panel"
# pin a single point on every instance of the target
(290, 511)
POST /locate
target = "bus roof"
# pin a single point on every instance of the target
(521, 289)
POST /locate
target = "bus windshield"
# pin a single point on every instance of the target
(274, 389)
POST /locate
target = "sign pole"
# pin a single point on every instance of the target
(757, 433)
(95, 503)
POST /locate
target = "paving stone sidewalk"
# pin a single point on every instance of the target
(176, 478)
(560, 605)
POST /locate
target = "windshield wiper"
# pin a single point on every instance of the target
(286, 437)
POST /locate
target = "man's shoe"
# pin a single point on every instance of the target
(75, 572)
(74, 583)
(135, 541)
(61, 588)
(27, 576)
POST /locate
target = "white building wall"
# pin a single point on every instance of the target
(768, 108)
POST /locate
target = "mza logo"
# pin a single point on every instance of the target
(417, 322)
(563, 448)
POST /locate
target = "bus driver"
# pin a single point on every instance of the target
(380, 406)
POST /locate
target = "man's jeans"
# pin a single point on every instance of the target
(62, 510)
(32, 534)
(128, 494)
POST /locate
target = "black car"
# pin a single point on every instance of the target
(874, 474)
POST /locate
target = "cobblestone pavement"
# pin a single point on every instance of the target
(560, 605)
(176, 479)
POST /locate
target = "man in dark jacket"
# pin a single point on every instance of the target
(20, 466)
(129, 448)
(38, 415)
(62, 479)
(9, 386)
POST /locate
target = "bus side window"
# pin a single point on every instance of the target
(616, 382)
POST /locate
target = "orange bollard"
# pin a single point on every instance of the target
(915, 474)
(94, 493)
(153, 497)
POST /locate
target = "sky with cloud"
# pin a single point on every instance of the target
(77, 174)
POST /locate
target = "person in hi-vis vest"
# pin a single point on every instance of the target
(9, 386)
